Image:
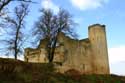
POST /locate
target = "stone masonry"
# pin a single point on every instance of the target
(89, 56)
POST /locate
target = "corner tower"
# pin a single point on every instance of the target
(97, 37)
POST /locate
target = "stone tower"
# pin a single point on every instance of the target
(97, 37)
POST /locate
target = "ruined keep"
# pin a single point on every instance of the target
(89, 56)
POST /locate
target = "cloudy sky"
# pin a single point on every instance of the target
(87, 12)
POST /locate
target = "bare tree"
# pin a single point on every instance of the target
(50, 25)
(4, 3)
(4, 11)
(14, 39)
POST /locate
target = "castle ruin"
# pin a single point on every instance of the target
(89, 56)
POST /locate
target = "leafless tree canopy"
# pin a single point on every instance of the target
(14, 38)
(50, 25)
(4, 3)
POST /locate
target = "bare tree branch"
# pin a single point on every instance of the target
(50, 26)
(4, 3)
(15, 38)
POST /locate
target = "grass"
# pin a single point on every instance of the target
(14, 71)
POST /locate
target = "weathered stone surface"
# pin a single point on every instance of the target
(89, 56)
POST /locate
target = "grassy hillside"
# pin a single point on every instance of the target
(12, 71)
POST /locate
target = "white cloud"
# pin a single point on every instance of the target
(88, 4)
(48, 4)
(117, 60)
(117, 54)
(118, 68)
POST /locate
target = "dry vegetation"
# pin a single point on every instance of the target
(12, 71)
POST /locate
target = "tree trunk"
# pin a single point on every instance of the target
(4, 4)
(15, 55)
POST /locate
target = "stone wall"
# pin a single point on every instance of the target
(88, 55)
